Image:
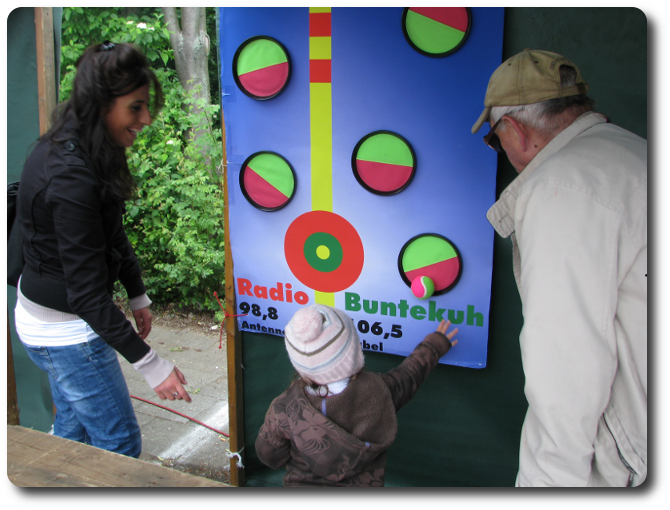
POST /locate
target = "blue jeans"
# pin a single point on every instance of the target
(89, 391)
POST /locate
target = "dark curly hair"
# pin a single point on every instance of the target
(104, 72)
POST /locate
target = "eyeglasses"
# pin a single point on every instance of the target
(492, 140)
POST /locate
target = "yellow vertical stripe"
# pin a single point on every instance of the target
(321, 116)
(319, 48)
(324, 298)
(321, 134)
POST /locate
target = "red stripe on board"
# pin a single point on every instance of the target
(261, 191)
(455, 17)
(319, 71)
(319, 24)
(383, 176)
(443, 273)
(267, 81)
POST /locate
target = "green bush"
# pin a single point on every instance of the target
(84, 26)
(176, 223)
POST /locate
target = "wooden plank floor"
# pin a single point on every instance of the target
(36, 459)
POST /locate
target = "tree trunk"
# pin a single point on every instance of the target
(190, 43)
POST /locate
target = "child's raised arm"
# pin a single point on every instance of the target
(404, 380)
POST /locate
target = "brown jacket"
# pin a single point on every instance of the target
(347, 445)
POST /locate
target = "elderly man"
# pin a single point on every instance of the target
(577, 215)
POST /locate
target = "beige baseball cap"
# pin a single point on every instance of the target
(529, 77)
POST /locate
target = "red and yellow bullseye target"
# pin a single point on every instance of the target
(324, 251)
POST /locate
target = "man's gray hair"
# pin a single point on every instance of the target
(545, 116)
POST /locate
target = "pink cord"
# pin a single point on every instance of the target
(224, 319)
(180, 414)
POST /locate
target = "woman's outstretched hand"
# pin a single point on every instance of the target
(172, 388)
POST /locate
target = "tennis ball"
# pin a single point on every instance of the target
(423, 287)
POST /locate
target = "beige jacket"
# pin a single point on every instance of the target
(577, 215)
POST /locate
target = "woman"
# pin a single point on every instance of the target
(70, 207)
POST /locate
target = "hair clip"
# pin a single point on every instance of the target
(107, 46)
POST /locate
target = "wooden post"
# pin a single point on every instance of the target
(46, 69)
(12, 400)
(46, 93)
(46, 65)
(233, 342)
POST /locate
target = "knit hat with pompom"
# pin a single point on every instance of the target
(323, 344)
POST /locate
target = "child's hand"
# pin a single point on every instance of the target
(442, 328)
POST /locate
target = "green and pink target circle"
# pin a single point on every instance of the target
(384, 163)
(436, 31)
(267, 181)
(261, 67)
(434, 256)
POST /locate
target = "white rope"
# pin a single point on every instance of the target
(231, 455)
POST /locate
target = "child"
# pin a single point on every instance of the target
(334, 425)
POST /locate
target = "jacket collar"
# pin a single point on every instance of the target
(501, 214)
